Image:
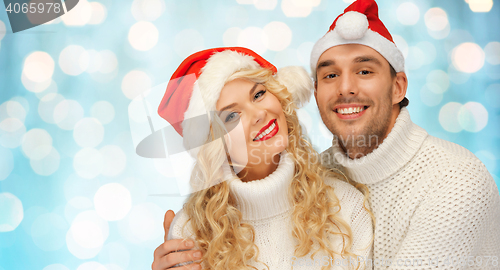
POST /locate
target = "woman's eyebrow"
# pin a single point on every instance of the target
(234, 104)
(227, 107)
(253, 89)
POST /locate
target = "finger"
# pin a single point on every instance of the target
(169, 216)
(175, 258)
(173, 246)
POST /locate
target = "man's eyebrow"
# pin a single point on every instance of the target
(325, 63)
(362, 59)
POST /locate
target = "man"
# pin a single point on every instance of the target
(434, 202)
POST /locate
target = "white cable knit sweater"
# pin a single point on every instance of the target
(435, 204)
(265, 205)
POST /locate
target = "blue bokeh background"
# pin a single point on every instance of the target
(73, 192)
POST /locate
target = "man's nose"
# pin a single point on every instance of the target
(347, 86)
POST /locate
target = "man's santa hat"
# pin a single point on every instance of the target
(196, 85)
(359, 24)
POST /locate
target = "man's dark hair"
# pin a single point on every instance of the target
(405, 101)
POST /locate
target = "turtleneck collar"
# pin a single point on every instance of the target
(397, 149)
(267, 197)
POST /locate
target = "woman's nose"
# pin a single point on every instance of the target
(258, 114)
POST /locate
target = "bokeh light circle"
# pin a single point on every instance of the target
(56, 266)
(135, 83)
(279, 35)
(12, 131)
(473, 116)
(67, 113)
(468, 57)
(290, 9)
(99, 13)
(143, 36)
(11, 212)
(440, 79)
(48, 164)
(147, 10)
(88, 163)
(429, 96)
(2, 30)
(109, 62)
(436, 19)
(448, 117)
(7, 163)
(408, 13)
(39, 67)
(253, 38)
(47, 105)
(74, 59)
(112, 201)
(36, 143)
(492, 51)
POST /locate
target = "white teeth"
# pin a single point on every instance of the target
(350, 110)
(269, 129)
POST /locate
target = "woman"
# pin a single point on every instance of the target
(262, 200)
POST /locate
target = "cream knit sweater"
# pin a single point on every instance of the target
(265, 205)
(435, 204)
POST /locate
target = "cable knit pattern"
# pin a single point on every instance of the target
(435, 204)
(266, 206)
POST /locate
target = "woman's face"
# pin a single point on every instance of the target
(255, 121)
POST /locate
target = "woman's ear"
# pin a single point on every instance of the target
(400, 85)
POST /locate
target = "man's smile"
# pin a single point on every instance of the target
(350, 111)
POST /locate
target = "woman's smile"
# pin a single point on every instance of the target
(268, 131)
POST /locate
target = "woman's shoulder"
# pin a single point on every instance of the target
(180, 227)
(345, 191)
(351, 200)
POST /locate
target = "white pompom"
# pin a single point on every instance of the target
(352, 25)
(298, 83)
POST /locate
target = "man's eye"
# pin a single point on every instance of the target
(364, 72)
(259, 94)
(331, 76)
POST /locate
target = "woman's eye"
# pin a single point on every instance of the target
(259, 94)
(231, 116)
(364, 72)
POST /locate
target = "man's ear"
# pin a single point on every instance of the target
(316, 91)
(399, 87)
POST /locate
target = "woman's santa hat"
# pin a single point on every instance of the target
(360, 24)
(195, 87)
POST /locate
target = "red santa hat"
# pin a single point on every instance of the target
(359, 24)
(196, 85)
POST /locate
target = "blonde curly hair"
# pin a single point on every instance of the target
(228, 243)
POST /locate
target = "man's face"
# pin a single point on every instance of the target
(357, 97)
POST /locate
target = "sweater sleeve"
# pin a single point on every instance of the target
(456, 225)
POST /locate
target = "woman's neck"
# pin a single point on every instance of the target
(260, 171)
